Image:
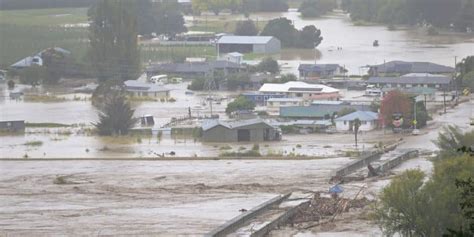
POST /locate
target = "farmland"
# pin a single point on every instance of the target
(25, 32)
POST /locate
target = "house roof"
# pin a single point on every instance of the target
(412, 67)
(318, 67)
(413, 78)
(361, 115)
(232, 124)
(137, 86)
(193, 67)
(297, 86)
(28, 61)
(233, 39)
(285, 100)
(317, 111)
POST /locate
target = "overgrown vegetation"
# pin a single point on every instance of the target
(34, 143)
(316, 8)
(240, 104)
(410, 206)
(460, 13)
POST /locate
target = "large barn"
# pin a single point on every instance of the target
(248, 44)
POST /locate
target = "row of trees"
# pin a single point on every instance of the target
(440, 13)
(316, 8)
(442, 206)
(466, 73)
(239, 6)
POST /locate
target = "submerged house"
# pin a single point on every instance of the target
(399, 68)
(317, 71)
(141, 89)
(368, 119)
(12, 126)
(252, 130)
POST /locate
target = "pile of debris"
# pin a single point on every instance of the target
(320, 208)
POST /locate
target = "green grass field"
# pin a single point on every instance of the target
(44, 17)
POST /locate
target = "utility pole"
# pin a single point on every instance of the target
(444, 99)
(456, 82)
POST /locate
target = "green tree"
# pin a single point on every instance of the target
(241, 103)
(316, 8)
(411, 207)
(286, 78)
(197, 84)
(268, 64)
(468, 81)
(282, 29)
(11, 84)
(238, 81)
(422, 116)
(356, 124)
(116, 117)
(246, 28)
(32, 75)
(169, 19)
(401, 204)
(309, 37)
(113, 34)
(451, 139)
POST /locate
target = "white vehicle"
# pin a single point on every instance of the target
(159, 79)
(371, 90)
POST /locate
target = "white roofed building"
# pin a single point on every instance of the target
(248, 44)
(298, 89)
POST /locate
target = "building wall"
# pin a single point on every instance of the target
(273, 46)
(219, 134)
(223, 134)
(344, 126)
(158, 95)
(273, 107)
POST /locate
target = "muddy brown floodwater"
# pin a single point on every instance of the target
(57, 198)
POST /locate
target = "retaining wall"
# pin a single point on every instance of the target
(398, 160)
(237, 222)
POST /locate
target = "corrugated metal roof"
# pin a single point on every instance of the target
(412, 67)
(318, 67)
(361, 115)
(317, 111)
(412, 79)
(233, 39)
(285, 100)
(232, 124)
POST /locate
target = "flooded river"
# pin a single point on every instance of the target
(356, 43)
